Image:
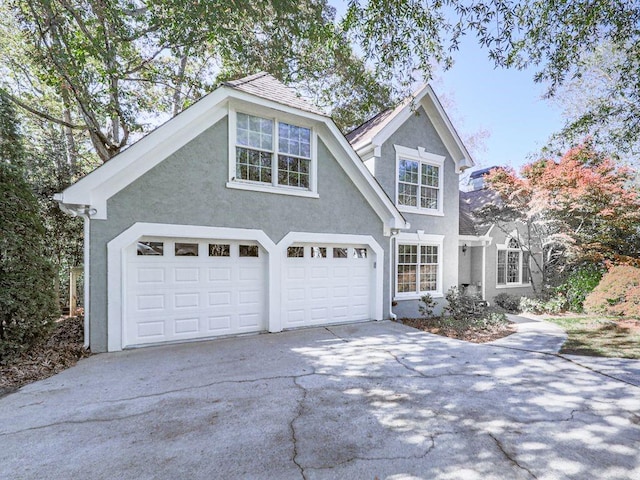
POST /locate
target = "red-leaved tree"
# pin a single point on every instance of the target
(581, 206)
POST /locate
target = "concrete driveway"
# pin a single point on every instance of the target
(366, 401)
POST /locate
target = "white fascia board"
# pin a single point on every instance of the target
(148, 151)
(362, 177)
(399, 118)
(446, 131)
(474, 241)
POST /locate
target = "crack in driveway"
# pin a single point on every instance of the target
(509, 456)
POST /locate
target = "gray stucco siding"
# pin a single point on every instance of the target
(491, 269)
(189, 188)
(418, 131)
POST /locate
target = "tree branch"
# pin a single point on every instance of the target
(39, 113)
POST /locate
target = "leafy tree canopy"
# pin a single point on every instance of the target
(113, 68)
(586, 206)
(562, 39)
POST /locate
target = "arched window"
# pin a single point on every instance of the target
(513, 264)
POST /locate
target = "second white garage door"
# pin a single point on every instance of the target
(326, 284)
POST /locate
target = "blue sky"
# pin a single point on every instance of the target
(506, 103)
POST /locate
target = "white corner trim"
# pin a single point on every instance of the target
(351, 239)
(116, 267)
(420, 237)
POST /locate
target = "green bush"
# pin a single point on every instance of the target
(465, 312)
(618, 293)
(579, 283)
(539, 305)
(28, 303)
(427, 305)
(511, 303)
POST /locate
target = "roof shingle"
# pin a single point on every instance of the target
(266, 86)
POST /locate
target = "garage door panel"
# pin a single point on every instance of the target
(187, 275)
(217, 323)
(186, 297)
(186, 326)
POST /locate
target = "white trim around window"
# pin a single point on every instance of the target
(420, 256)
(425, 185)
(305, 172)
(513, 265)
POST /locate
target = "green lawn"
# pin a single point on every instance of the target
(600, 337)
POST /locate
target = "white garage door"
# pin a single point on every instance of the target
(186, 289)
(326, 284)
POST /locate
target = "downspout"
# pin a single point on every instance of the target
(84, 211)
(87, 245)
(392, 250)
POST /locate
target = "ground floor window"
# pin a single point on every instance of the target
(418, 268)
(513, 264)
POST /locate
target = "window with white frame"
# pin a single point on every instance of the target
(272, 153)
(513, 264)
(418, 269)
(419, 180)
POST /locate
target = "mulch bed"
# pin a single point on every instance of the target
(60, 351)
(470, 335)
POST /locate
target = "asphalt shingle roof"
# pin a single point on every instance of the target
(266, 86)
(471, 202)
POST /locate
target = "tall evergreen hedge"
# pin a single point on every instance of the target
(28, 303)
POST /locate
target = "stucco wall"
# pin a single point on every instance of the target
(418, 131)
(498, 237)
(189, 187)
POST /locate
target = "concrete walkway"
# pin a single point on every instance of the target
(365, 401)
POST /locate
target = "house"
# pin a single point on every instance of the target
(251, 212)
(494, 258)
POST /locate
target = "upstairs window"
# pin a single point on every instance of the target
(272, 155)
(418, 184)
(419, 181)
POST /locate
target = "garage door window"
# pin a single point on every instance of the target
(219, 250)
(186, 250)
(150, 248)
(295, 252)
(359, 253)
(248, 250)
(339, 253)
(318, 252)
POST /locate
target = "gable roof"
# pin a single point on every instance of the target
(89, 195)
(266, 86)
(369, 137)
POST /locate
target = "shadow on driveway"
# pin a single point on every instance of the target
(373, 400)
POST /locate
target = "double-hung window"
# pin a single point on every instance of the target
(419, 180)
(513, 264)
(418, 269)
(271, 155)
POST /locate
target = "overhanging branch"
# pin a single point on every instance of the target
(39, 113)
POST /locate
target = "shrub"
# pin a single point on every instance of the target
(618, 293)
(28, 303)
(580, 283)
(427, 305)
(538, 305)
(467, 312)
(511, 303)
